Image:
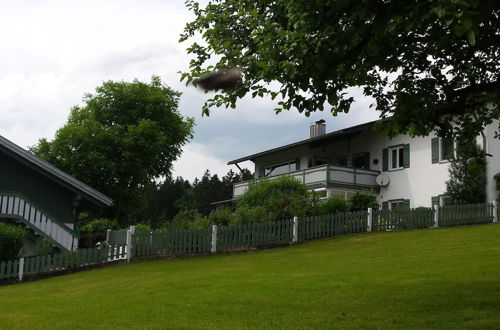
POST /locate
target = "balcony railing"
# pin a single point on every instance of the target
(323, 176)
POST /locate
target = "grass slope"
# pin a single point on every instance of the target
(444, 278)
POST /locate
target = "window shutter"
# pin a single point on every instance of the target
(406, 156)
(435, 150)
(297, 164)
(385, 205)
(385, 159)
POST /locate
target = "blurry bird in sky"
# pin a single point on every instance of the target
(224, 79)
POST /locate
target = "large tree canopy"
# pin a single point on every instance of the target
(429, 65)
(124, 137)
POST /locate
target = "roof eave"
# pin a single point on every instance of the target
(344, 131)
(54, 173)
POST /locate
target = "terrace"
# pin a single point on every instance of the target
(321, 177)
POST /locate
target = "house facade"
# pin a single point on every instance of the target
(411, 171)
(42, 198)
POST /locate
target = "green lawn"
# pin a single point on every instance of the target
(444, 278)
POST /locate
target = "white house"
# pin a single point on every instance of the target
(403, 169)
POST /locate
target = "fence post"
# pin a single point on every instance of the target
(295, 237)
(214, 239)
(107, 235)
(129, 244)
(436, 216)
(495, 211)
(369, 220)
(20, 273)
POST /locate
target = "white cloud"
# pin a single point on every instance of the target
(52, 52)
(196, 159)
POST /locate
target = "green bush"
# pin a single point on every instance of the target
(362, 200)
(200, 223)
(185, 219)
(221, 217)
(95, 231)
(142, 227)
(11, 241)
(281, 198)
(43, 246)
(245, 215)
(332, 204)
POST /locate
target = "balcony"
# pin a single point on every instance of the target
(323, 176)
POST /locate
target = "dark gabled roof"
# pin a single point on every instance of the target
(319, 139)
(53, 172)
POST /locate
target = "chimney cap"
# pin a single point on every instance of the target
(321, 121)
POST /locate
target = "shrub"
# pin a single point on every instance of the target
(11, 241)
(281, 198)
(333, 204)
(221, 217)
(362, 200)
(95, 231)
(245, 215)
(185, 219)
(43, 246)
(200, 223)
(142, 227)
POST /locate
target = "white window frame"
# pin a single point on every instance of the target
(397, 159)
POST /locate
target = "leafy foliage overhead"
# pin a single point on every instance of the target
(431, 65)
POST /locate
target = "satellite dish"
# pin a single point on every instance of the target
(382, 180)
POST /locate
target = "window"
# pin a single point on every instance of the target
(318, 161)
(361, 160)
(399, 204)
(282, 168)
(321, 193)
(447, 151)
(442, 149)
(341, 161)
(396, 158)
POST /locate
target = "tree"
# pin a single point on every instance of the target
(124, 137)
(277, 199)
(167, 199)
(428, 65)
(467, 183)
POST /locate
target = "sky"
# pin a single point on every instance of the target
(53, 52)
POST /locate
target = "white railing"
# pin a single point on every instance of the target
(323, 176)
(16, 207)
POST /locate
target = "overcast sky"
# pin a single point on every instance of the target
(52, 52)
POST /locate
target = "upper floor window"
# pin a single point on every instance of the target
(361, 160)
(396, 158)
(318, 161)
(447, 149)
(282, 168)
(442, 149)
